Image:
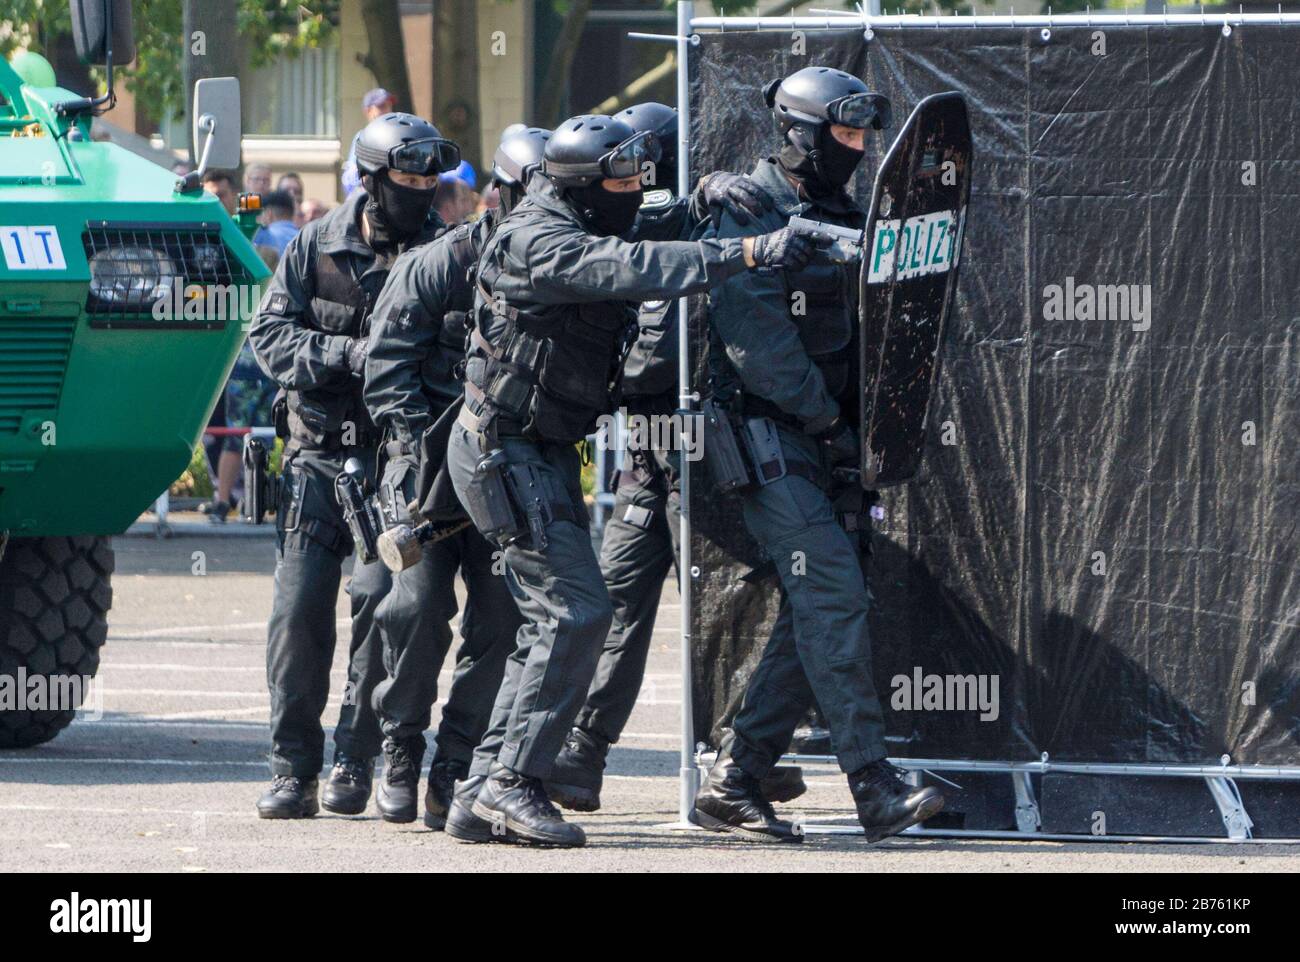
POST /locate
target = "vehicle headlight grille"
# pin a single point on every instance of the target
(141, 273)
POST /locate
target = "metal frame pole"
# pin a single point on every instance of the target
(847, 19)
(688, 773)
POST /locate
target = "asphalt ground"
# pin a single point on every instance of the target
(166, 780)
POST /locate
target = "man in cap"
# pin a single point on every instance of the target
(374, 104)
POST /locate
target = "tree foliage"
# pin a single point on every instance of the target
(268, 29)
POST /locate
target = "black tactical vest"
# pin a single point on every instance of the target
(442, 371)
(650, 372)
(327, 419)
(822, 300)
(651, 368)
(550, 374)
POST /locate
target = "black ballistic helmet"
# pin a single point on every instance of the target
(519, 154)
(585, 149)
(814, 97)
(660, 120)
(406, 143)
(517, 158)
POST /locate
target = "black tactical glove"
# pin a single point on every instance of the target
(840, 442)
(358, 348)
(786, 249)
(736, 194)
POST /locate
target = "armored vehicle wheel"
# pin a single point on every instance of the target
(54, 601)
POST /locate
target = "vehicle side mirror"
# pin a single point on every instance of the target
(217, 123)
(94, 22)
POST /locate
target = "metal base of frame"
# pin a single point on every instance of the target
(1220, 781)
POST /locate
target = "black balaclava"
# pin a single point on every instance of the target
(825, 170)
(396, 213)
(606, 213)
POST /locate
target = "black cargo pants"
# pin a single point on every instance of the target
(638, 550)
(561, 594)
(820, 647)
(415, 622)
(313, 543)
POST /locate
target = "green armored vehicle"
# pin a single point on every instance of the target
(124, 296)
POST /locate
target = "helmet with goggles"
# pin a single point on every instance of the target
(405, 143)
(592, 147)
(661, 120)
(814, 96)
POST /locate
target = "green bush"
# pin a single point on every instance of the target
(195, 482)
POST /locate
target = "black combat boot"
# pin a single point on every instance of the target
(463, 825)
(887, 804)
(289, 797)
(443, 775)
(347, 790)
(784, 783)
(398, 796)
(731, 800)
(515, 803)
(578, 771)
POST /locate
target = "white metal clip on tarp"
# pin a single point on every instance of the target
(693, 39)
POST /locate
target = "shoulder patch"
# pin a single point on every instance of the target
(276, 302)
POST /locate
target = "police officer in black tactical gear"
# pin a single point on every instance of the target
(309, 336)
(784, 358)
(640, 539)
(551, 324)
(413, 375)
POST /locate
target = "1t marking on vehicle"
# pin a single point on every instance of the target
(32, 249)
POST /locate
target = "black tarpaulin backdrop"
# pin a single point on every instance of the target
(1076, 440)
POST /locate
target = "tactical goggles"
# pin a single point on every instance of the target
(424, 157)
(627, 159)
(861, 111)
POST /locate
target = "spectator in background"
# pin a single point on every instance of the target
(225, 452)
(464, 173)
(257, 179)
(180, 168)
(488, 199)
(291, 183)
(276, 219)
(310, 210)
(374, 104)
(221, 184)
(454, 201)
